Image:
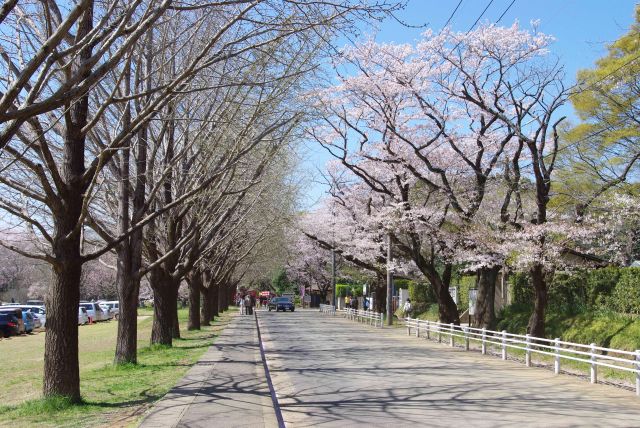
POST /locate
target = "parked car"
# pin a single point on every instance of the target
(113, 306)
(17, 313)
(281, 304)
(38, 312)
(36, 321)
(9, 325)
(35, 302)
(95, 312)
(106, 309)
(83, 318)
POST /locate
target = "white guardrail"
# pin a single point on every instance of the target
(592, 354)
(327, 309)
(369, 317)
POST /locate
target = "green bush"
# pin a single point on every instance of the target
(568, 292)
(612, 288)
(464, 284)
(343, 290)
(626, 294)
(520, 289)
(600, 284)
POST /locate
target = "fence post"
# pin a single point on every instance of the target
(556, 365)
(408, 324)
(451, 342)
(428, 330)
(527, 357)
(439, 332)
(466, 338)
(638, 372)
(594, 366)
(504, 344)
(417, 328)
(484, 343)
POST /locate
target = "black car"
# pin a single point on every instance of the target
(281, 304)
(9, 325)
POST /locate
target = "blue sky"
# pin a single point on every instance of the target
(582, 30)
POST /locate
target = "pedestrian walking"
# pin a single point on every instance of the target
(241, 303)
(407, 308)
(247, 305)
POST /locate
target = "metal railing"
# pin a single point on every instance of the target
(327, 309)
(593, 355)
(369, 317)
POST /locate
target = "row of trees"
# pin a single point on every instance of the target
(156, 131)
(457, 150)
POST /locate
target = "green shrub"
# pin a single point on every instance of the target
(464, 284)
(420, 293)
(626, 294)
(520, 289)
(568, 292)
(343, 290)
(600, 284)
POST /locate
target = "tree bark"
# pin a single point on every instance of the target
(221, 298)
(61, 367)
(536, 325)
(128, 291)
(380, 294)
(207, 305)
(215, 293)
(485, 316)
(447, 308)
(196, 285)
(165, 295)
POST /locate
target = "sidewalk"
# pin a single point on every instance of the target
(226, 388)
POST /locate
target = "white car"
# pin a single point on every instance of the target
(95, 312)
(106, 308)
(113, 306)
(38, 312)
(83, 318)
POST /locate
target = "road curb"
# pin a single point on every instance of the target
(272, 391)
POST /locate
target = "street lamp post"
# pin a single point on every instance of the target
(333, 277)
(389, 283)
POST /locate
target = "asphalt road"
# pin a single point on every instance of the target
(328, 371)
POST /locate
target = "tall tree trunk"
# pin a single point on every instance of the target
(215, 293)
(221, 298)
(196, 285)
(536, 325)
(175, 331)
(128, 290)
(447, 308)
(207, 305)
(61, 366)
(380, 294)
(164, 307)
(485, 316)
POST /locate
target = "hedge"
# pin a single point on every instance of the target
(611, 288)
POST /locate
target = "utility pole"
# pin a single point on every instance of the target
(389, 283)
(333, 277)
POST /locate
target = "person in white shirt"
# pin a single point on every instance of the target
(406, 308)
(242, 310)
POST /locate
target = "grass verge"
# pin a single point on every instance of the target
(112, 395)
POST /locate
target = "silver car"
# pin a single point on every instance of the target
(38, 312)
(95, 312)
(83, 318)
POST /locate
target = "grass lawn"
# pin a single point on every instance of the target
(113, 396)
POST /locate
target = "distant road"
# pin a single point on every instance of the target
(331, 372)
